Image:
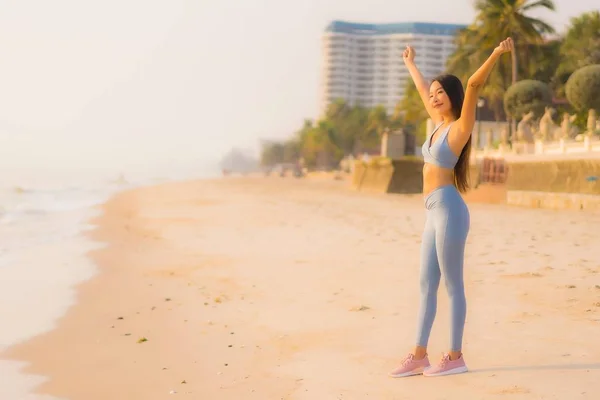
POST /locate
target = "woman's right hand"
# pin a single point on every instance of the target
(408, 55)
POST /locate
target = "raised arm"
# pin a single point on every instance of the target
(422, 87)
(474, 85)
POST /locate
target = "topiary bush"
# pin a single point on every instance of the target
(583, 88)
(525, 96)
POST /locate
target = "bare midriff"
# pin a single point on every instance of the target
(434, 177)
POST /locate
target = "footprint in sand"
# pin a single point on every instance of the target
(525, 315)
(524, 275)
(360, 308)
(572, 300)
(498, 262)
(512, 390)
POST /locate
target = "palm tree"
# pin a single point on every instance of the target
(410, 113)
(467, 54)
(495, 21)
(379, 121)
(467, 57)
(499, 19)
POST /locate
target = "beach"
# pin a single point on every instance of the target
(284, 288)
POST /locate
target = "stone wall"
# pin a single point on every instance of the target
(407, 176)
(557, 201)
(557, 184)
(558, 176)
(382, 175)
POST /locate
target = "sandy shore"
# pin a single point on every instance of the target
(270, 288)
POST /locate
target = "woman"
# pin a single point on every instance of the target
(445, 174)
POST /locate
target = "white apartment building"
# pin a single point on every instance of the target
(362, 63)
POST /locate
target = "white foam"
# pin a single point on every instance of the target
(15, 386)
(37, 279)
(43, 256)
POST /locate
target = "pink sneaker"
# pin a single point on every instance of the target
(410, 366)
(447, 367)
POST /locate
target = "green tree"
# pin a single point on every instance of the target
(356, 127)
(582, 90)
(525, 96)
(499, 19)
(495, 21)
(272, 153)
(468, 56)
(292, 150)
(343, 130)
(411, 112)
(348, 124)
(544, 60)
(318, 148)
(580, 47)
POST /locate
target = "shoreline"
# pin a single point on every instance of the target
(218, 314)
(39, 283)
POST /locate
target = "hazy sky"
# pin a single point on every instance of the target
(133, 80)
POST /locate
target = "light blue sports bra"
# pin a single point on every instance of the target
(439, 153)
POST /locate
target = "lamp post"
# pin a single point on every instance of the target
(480, 105)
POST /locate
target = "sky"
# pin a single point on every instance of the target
(85, 83)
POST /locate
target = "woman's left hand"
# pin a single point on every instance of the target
(505, 46)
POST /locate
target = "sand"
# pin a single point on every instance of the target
(283, 288)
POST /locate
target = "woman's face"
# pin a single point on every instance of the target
(439, 100)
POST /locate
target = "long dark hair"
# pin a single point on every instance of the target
(455, 91)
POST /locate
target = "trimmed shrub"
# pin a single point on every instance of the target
(583, 88)
(525, 96)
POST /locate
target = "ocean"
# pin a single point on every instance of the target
(43, 215)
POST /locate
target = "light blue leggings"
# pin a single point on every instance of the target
(442, 252)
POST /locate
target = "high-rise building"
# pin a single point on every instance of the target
(362, 63)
